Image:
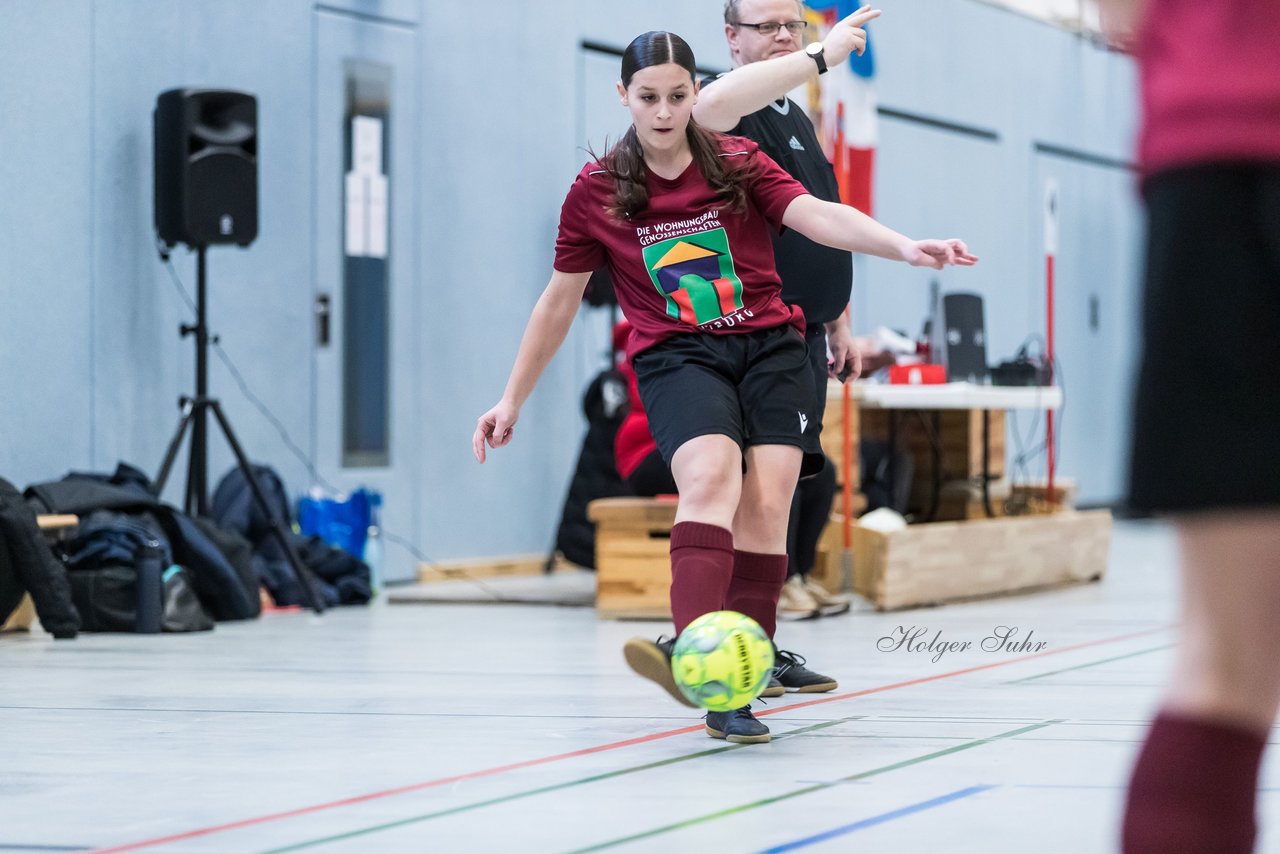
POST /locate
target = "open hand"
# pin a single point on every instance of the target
(939, 253)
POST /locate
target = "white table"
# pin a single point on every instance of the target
(955, 396)
(950, 396)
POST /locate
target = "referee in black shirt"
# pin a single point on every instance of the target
(766, 42)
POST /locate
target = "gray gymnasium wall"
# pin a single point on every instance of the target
(90, 362)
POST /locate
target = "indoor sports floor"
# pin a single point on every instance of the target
(411, 728)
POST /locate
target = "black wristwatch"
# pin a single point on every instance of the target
(815, 51)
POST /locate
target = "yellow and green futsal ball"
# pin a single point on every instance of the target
(722, 660)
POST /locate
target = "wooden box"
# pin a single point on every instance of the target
(958, 430)
(947, 561)
(829, 566)
(633, 557)
(959, 434)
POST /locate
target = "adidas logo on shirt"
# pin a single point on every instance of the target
(795, 143)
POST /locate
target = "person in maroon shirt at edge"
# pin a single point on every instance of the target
(681, 216)
(1206, 437)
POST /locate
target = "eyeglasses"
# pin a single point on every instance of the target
(770, 28)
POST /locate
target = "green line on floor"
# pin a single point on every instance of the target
(1090, 664)
(595, 778)
(725, 813)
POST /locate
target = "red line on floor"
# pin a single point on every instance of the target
(545, 760)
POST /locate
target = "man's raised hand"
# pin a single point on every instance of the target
(848, 36)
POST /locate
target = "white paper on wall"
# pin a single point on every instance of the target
(376, 245)
(366, 191)
(357, 206)
(366, 145)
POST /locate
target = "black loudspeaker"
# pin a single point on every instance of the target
(964, 337)
(206, 158)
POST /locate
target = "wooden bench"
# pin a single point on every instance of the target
(633, 560)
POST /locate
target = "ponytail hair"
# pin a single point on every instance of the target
(625, 160)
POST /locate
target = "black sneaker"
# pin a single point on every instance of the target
(774, 688)
(738, 726)
(652, 660)
(789, 670)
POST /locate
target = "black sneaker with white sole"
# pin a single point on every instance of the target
(738, 726)
(652, 660)
(774, 688)
(789, 670)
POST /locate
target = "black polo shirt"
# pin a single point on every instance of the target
(815, 277)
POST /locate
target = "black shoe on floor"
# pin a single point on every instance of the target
(652, 660)
(774, 688)
(738, 726)
(789, 669)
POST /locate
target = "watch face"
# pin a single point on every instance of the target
(814, 49)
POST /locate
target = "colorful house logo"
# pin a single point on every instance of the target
(696, 276)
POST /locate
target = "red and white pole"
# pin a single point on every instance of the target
(847, 450)
(1050, 253)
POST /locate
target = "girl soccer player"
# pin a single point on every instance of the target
(681, 215)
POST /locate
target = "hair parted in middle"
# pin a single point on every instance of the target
(625, 160)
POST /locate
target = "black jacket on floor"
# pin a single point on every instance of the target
(27, 563)
(222, 590)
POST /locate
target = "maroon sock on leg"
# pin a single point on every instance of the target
(1193, 789)
(755, 587)
(701, 564)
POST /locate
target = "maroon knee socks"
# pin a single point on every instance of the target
(757, 582)
(701, 564)
(1193, 789)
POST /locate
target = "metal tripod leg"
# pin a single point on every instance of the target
(188, 410)
(277, 527)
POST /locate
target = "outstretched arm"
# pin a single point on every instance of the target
(543, 335)
(752, 86)
(843, 227)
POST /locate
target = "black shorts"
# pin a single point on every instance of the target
(1207, 405)
(754, 387)
(816, 337)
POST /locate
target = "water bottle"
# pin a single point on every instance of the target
(150, 589)
(373, 542)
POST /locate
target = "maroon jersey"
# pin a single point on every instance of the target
(1210, 83)
(686, 263)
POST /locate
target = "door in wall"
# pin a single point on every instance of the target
(1096, 293)
(366, 272)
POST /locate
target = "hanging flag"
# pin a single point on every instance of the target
(847, 106)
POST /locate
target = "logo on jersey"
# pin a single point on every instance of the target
(695, 274)
(804, 421)
(795, 143)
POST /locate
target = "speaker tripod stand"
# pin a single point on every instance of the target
(194, 415)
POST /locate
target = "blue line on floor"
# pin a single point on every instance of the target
(877, 819)
(11, 847)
